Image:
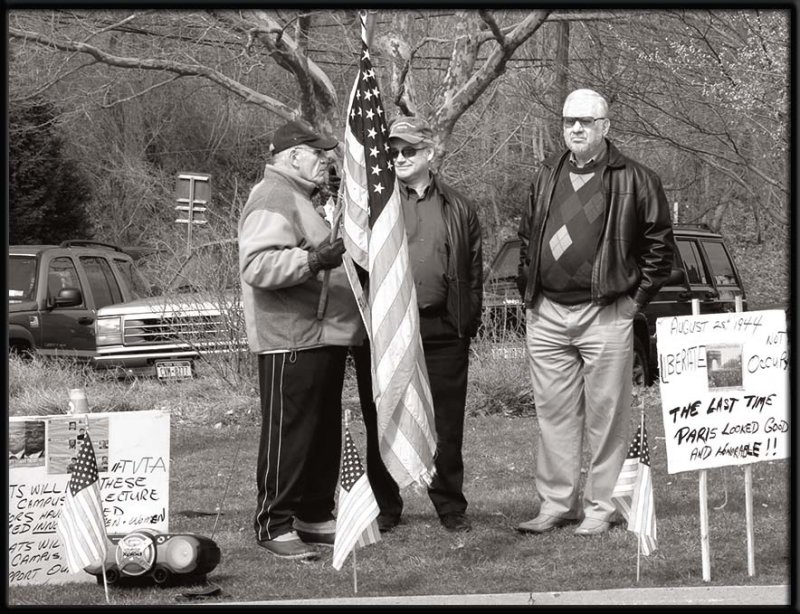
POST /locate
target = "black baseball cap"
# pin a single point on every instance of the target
(299, 133)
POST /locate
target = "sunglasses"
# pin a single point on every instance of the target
(586, 122)
(408, 152)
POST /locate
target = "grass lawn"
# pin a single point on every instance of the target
(215, 454)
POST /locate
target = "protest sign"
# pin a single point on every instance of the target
(724, 388)
(132, 450)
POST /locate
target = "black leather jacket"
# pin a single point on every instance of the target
(636, 249)
(465, 261)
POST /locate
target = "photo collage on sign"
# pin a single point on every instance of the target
(63, 440)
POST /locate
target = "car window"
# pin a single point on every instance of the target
(104, 286)
(505, 263)
(695, 273)
(214, 266)
(62, 274)
(21, 278)
(136, 283)
(720, 263)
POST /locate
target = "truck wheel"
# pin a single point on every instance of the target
(20, 350)
(641, 371)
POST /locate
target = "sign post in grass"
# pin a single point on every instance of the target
(724, 391)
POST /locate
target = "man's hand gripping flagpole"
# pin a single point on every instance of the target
(326, 277)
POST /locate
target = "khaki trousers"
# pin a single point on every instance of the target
(581, 364)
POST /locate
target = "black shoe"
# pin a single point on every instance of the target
(456, 522)
(387, 522)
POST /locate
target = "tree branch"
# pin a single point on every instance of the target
(178, 68)
(489, 20)
(140, 93)
(491, 69)
(283, 49)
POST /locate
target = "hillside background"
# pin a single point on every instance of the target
(107, 107)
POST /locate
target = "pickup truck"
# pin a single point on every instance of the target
(703, 270)
(55, 291)
(198, 316)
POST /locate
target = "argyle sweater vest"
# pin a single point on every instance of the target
(571, 234)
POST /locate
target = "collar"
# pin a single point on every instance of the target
(406, 190)
(303, 185)
(592, 161)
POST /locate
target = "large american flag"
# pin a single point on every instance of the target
(633, 492)
(81, 528)
(375, 238)
(356, 523)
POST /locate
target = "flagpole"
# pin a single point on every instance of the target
(346, 418)
(326, 276)
(748, 493)
(703, 496)
(638, 556)
(638, 536)
(367, 29)
(105, 581)
(355, 573)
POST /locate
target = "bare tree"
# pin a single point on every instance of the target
(712, 87)
(226, 46)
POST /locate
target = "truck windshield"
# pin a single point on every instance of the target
(21, 278)
(136, 282)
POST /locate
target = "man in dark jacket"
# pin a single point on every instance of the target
(444, 245)
(596, 247)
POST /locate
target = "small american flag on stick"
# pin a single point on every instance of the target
(81, 527)
(633, 492)
(356, 524)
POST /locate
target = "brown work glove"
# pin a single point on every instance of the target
(327, 256)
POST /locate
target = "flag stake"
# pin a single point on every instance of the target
(355, 574)
(748, 500)
(105, 583)
(703, 496)
(638, 537)
(748, 493)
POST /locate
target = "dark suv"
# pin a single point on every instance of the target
(54, 292)
(704, 269)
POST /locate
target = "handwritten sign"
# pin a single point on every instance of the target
(132, 450)
(724, 388)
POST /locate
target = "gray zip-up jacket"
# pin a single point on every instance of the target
(278, 227)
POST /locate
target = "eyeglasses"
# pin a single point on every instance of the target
(586, 122)
(317, 152)
(408, 152)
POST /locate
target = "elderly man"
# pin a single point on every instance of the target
(283, 247)
(444, 244)
(597, 245)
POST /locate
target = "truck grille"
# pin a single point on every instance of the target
(185, 329)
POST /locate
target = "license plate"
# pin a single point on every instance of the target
(173, 369)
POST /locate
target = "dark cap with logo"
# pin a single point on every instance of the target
(299, 133)
(412, 130)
